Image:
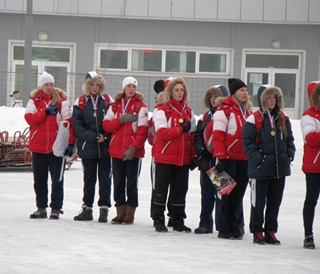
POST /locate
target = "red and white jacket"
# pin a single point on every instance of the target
(227, 131)
(44, 128)
(310, 127)
(130, 134)
(173, 146)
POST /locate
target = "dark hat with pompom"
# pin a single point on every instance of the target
(235, 84)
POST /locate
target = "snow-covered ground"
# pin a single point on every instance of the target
(66, 246)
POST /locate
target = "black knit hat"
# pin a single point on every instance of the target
(158, 86)
(235, 84)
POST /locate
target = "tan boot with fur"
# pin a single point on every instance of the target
(129, 217)
(121, 211)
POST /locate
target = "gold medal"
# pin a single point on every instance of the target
(95, 114)
(273, 133)
(180, 120)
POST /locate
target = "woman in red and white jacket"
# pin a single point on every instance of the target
(310, 127)
(127, 121)
(175, 126)
(46, 107)
(227, 148)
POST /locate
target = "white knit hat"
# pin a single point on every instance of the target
(45, 78)
(129, 80)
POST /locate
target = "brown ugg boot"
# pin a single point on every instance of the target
(129, 217)
(121, 212)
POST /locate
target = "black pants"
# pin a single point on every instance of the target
(178, 179)
(229, 212)
(125, 181)
(92, 168)
(152, 176)
(266, 195)
(41, 164)
(310, 202)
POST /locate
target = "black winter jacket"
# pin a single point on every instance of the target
(269, 156)
(88, 127)
(203, 164)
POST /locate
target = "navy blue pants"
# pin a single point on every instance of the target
(41, 164)
(92, 168)
(310, 202)
(125, 181)
(208, 197)
(266, 195)
(177, 177)
(229, 211)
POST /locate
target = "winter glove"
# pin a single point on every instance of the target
(204, 153)
(53, 110)
(69, 151)
(221, 166)
(128, 118)
(128, 155)
(185, 125)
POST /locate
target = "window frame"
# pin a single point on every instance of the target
(228, 52)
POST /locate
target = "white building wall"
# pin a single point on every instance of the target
(259, 11)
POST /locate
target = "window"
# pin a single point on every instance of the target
(146, 60)
(180, 61)
(269, 60)
(43, 53)
(114, 59)
(138, 58)
(213, 62)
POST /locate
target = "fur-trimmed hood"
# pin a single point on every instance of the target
(314, 94)
(169, 88)
(57, 94)
(160, 98)
(121, 95)
(271, 91)
(97, 78)
(211, 91)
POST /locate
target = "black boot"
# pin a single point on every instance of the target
(103, 218)
(309, 242)
(55, 214)
(179, 226)
(159, 225)
(41, 213)
(85, 214)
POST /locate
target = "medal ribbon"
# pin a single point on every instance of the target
(47, 104)
(94, 102)
(184, 106)
(124, 107)
(243, 112)
(271, 119)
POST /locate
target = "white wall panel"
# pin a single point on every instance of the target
(229, 9)
(297, 10)
(160, 8)
(2, 4)
(66, 6)
(251, 10)
(43, 6)
(314, 9)
(16, 5)
(183, 9)
(206, 9)
(275, 10)
(89, 6)
(113, 7)
(136, 8)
